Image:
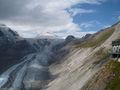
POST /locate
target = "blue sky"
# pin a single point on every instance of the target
(31, 18)
(104, 15)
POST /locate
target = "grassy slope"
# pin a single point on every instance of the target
(108, 77)
(97, 40)
(102, 55)
(110, 74)
(114, 83)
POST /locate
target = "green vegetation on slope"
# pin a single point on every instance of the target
(114, 83)
(102, 55)
(98, 39)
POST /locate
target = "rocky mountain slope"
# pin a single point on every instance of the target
(55, 64)
(29, 59)
(80, 69)
(12, 47)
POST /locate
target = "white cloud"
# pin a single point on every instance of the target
(118, 17)
(76, 11)
(89, 24)
(40, 16)
(106, 26)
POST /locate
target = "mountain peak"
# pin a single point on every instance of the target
(70, 38)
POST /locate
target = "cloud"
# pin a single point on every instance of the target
(40, 16)
(118, 17)
(89, 24)
(76, 11)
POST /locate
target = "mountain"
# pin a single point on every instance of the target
(57, 64)
(13, 47)
(21, 55)
(86, 65)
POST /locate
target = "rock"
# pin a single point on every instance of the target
(12, 47)
(87, 36)
(70, 38)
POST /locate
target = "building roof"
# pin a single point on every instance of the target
(116, 42)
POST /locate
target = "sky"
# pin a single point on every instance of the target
(31, 18)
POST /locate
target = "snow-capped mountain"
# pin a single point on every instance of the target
(48, 35)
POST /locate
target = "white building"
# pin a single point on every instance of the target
(116, 49)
